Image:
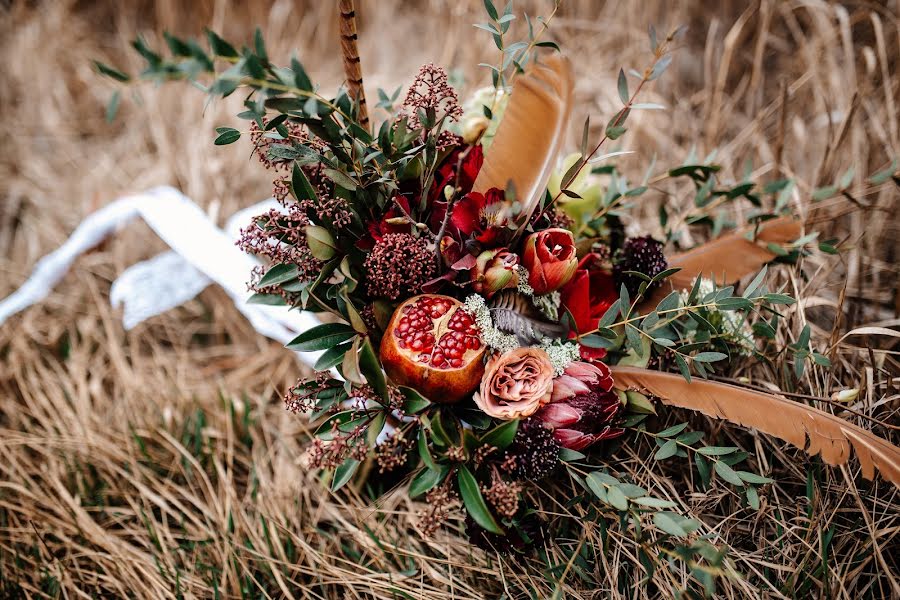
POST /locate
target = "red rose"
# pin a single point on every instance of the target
(589, 294)
(549, 256)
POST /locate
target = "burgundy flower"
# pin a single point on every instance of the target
(583, 408)
(549, 256)
(483, 216)
(447, 174)
(589, 293)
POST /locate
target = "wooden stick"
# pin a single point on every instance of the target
(351, 59)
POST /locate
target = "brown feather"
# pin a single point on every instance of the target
(350, 54)
(810, 429)
(726, 259)
(531, 133)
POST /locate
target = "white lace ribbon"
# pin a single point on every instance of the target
(201, 254)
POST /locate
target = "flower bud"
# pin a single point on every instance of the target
(550, 258)
(495, 270)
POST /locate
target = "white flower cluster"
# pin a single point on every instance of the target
(523, 286)
(490, 335)
(561, 353)
(734, 325)
(548, 304)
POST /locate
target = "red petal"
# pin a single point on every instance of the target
(467, 212)
(576, 299)
(559, 414)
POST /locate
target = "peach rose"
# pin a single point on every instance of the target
(516, 384)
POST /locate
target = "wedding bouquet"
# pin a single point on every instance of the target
(489, 324)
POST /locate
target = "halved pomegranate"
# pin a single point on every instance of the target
(433, 346)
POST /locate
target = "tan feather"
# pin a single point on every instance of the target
(531, 133)
(726, 259)
(807, 428)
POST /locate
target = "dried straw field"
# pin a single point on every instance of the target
(160, 463)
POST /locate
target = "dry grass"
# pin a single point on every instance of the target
(160, 463)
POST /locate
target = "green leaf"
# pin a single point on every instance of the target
(111, 72)
(708, 357)
(425, 480)
(716, 450)
(266, 299)
(219, 46)
(690, 437)
(667, 450)
(344, 473)
(491, 11)
(609, 317)
(659, 68)
(278, 274)
(342, 179)
(617, 498)
(301, 79)
(321, 244)
(670, 523)
(474, 502)
(332, 357)
(501, 436)
(754, 478)
(614, 132)
(682, 365)
(227, 135)
(567, 455)
(654, 502)
(300, 185)
(674, 430)
(728, 474)
(752, 497)
(670, 302)
(321, 337)
(113, 107)
(623, 87)
(639, 403)
(702, 468)
(371, 369)
(424, 454)
(414, 402)
(882, 176)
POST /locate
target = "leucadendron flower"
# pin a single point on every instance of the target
(516, 384)
(550, 258)
(583, 409)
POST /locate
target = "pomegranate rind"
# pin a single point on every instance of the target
(445, 385)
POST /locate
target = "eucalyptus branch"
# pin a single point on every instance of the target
(650, 73)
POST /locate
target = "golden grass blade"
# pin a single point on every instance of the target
(726, 259)
(531, 133)
(807, 428)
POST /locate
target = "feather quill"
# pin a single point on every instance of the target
(515, 314)
(531, 133)
(807, 428)
(726, 259)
